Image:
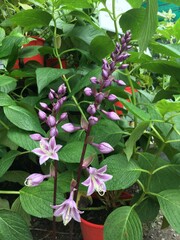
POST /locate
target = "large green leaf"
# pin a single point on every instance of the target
(29, 19)
(135, 4)
(123, 224)
(71, 153)
(75, 3)
(6, 100)
(6, 161)
(164, 106)
(135, 135)
(124, 173)
(170, 207)
(149, 25)
(8, 44)
(37, 200)
(15, 176)
(13, 227)
(23, 118)
(172, 50)
(7, 84)
(22, 139)
(47, 75)
(167, 177)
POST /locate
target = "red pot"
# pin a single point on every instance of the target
(91, 231)
(38, 58)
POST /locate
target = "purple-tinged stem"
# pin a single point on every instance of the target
(54, 198)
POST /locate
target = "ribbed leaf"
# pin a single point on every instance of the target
(124, 173)
(170, 207)
(37, 200)
(13, 227)
(6, 100)
(123, 224)
(7, 84)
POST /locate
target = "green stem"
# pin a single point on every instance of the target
(9, 192)
(4, 125)
(115, 19)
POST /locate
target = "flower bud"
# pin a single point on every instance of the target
(105, 74)
(99, 97)
(57, 106)
(123, 66)
(51, 94)
(111, 115)
(42, 115)
(88, 91)
(62, 89)
(120, 82)
(91, 109)
(51, 121)
(53, 132)
(69, 127)
(112, 97)
(94, 80)
(44, 105)
(64, 116)
(35, 179)
(93, 120)
(107, 83)
(36, 136)
(103, 147)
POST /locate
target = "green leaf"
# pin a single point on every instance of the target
(167, 177)
(6, 100)
(7, 84)
(172, 50)
(23, 118)
(135, 4)
(29, 19)
(124, 173)
(4, 204)
(106, 48)
(8, 45)
(75, 3)
(16, 207)
(135, 110)
(135, 135)
(13, 227)
(6, 161)
(170, 207)
(148, 210)
(123, 224)
(71, 152)
(2, 34)
(37, 200)
(149, 25)
(22, 139)
(47, 75)
(28, 51)
(176, 2)
(164, 106)
(16, 176)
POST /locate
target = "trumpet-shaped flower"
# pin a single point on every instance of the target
(96, 179)
(47, 149)
(68, 210)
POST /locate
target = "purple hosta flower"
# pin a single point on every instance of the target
(51, 121)
(88, 91)
(103, 147)
(36, 136)
(35, 179)
(51, 94)
(63, 116)
(93, 120)
(99, 97)
(56, 106)
(53, 132)
(105, 74)
(69, 127)
(91, 109)
(62, 89)
(94, 80)
(96, 179)
(42, 115)
(111, 115)
(120, 82)
(112, 97)
(47, 150)
(44, 106)
(68, 210)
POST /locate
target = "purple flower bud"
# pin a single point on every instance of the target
(112, 65)
(87, 161)
(69, 127)
(51, 121)
(103, 147)
(57, 106)
(94, 80)
(51, 94)
(105, 74)
(112, 97)
(128, 47)
(120, 82)
(36, 136)
(91, 109)
(53, 132)
(42, 115)
(99, 97)
(35, 179)
(44, 105)
(113, 56)
(88, 91)
(123, 66)
(63, 116)
(111, 115)
(123, 40)
(62, 89)
(107, 83)
(93, 120)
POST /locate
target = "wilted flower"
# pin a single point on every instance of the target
(35, 179)
(48, 149)
(96, 179)
(68, 210)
